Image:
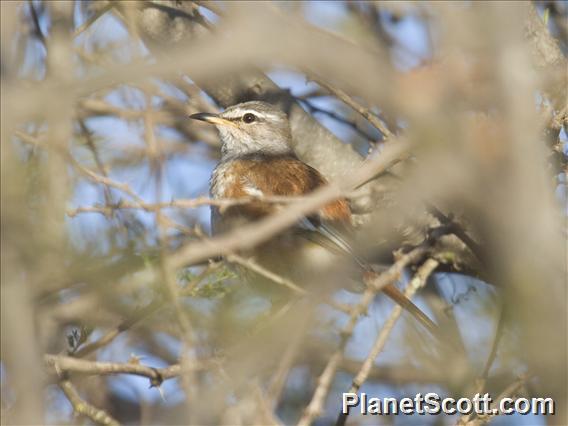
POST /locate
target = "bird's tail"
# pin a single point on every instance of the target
(391, 290)
(335, 239)
(400, 299)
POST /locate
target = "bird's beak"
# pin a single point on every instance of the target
(211, 118)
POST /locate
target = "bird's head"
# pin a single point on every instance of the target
(251, 128)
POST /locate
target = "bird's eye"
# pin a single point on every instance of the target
(249, 118)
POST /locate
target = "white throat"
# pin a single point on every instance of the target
(245, 144)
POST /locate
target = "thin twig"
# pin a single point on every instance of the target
(482, 380)
(85, 25)
(180, 203)
(210, 6)
(418, 281)
(353, 124)
(255, 267)
(495, 345)
(80, 406)
(392, 274)
(27, 138)
(166, 270)
(278, 279)
(509, 392)
(279, 378)
(60, 363)
(356, 106)
(112, 334)
(37, 28)
(222, 203)
(456, 228)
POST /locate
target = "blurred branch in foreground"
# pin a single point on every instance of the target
(444, 124)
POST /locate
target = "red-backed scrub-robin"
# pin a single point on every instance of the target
(258, 161)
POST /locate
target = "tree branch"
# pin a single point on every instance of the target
(80, 406)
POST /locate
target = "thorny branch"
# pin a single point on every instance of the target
(390, 276)
(81, 407)
(418, 281)
(59, 364)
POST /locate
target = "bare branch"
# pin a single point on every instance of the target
(348, 100)
(58, 363)
(418, 281)
(315, 406)
(80, 406)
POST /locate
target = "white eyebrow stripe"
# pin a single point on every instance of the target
(240, 113)
(253, 191)
(276, 117)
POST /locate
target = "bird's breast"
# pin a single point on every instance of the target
(221, 179)
(265, 176)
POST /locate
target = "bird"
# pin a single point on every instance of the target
(258, 160)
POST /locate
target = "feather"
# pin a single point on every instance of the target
(286, 175)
